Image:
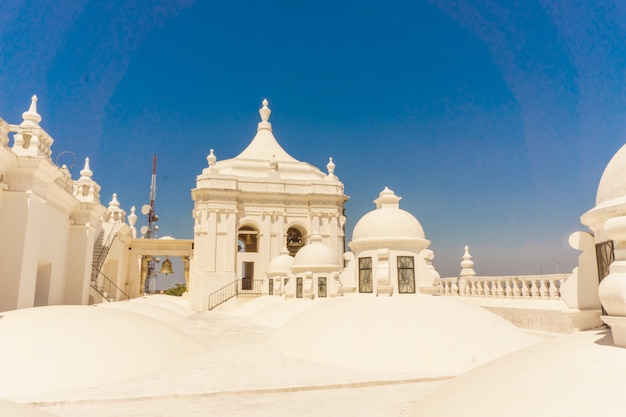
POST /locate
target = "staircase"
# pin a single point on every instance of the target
(244, 286)
(101, 250)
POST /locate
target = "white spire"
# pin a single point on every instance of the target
(31, 117)
(86, 172)
(211, 158)
(114, 203)
(330, 167)
(265, 116)
(467, 264)
(132, 220)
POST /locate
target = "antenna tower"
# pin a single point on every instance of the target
(150, 231)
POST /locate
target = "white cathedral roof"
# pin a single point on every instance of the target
(264, 155)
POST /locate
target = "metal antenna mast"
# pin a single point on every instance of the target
(150, 231)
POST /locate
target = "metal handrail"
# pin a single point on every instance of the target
(95, 287)
(99, 272)
(106, 245)
(233, 289)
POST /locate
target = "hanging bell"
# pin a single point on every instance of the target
(166, 267)
(248, 239)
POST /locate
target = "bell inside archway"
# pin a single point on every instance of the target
(166, 267)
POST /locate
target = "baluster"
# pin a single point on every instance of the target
(479, 288)
(543, 288)
(525, 287)
(514, 284)
(553, 290)
(454, 288)
(557, 287)
(487, 287)
(499, 289)
(534, 288)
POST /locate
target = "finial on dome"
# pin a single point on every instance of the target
(315, 237)
(467, 264)
(387, 199)
(31, 116)
(86, 172)
(211, 158)
(330, 166)
(265, 116)
(114, 203)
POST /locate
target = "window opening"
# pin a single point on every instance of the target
(406, 275)
(321, 287)
(298, 287)
(365, 275)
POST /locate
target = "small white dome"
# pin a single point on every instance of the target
(280, 264)
(613, 182)
(388, 220)
(316, 254)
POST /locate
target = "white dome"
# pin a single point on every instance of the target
(388, 220)
(315, 254)
(613, 181)
(280, 264)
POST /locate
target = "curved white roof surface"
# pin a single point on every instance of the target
(52, 348)
(579, 375)
(429, 336)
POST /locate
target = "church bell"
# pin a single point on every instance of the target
(166, 267)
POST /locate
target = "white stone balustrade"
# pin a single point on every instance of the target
(545, 287)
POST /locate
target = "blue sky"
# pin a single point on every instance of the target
(492, 119)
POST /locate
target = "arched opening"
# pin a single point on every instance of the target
(294, 240)
(247, 239)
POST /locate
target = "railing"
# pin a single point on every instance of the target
(533, 286)
(94, 285)
(239, 286)
(97, 272)
(106, 245)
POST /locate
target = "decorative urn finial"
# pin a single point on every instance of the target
(265, 116)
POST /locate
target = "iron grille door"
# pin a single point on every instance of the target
(406, 275)
(271, 287)
(365, 275)
(321, 287)
(605, 257)
(298, 287)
